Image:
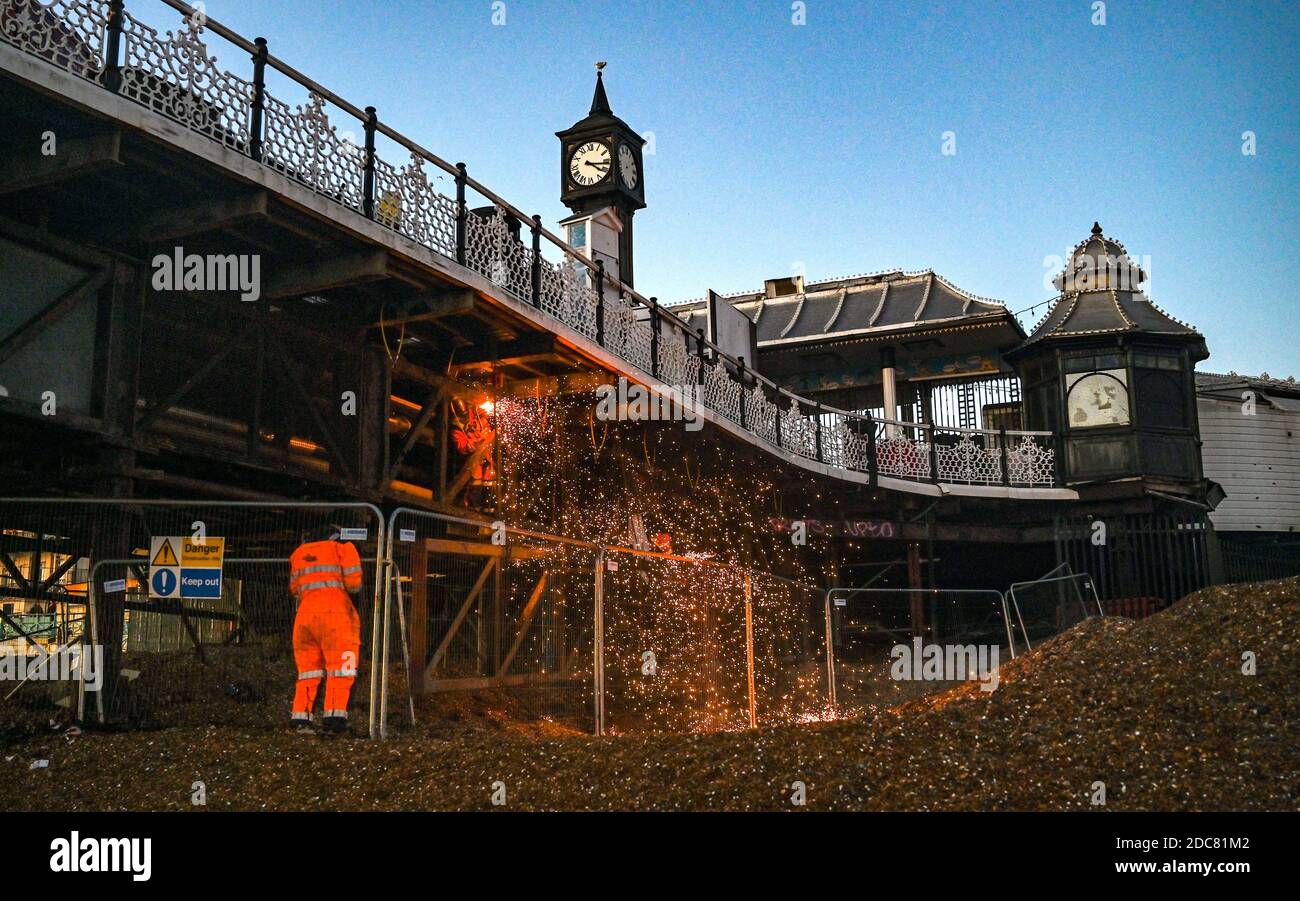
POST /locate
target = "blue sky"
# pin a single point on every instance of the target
(778, 145)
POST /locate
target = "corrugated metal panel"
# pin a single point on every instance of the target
(1257, 461)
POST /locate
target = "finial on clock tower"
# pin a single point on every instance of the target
(599, 102)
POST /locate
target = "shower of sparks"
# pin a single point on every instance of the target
(628, 484)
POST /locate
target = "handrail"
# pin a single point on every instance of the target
(811, 438)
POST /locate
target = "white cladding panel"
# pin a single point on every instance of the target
(1257, 461)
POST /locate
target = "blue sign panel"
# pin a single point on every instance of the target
(163, 583)
(201, 583)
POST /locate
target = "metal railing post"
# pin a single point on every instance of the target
(598, 642)
(113, 46)
(536, 274)
(699, 349)
(376, 623)
(873, 468)
(461, 213)
(934, 455)
(1006, 457)
(257, 114)
(655, 327)
(740, 380)
(817, 430)
(368, 174)
(600, 302)
(776, 404)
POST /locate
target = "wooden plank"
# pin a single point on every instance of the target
(525, 620)
(435, 397)
(470, 599)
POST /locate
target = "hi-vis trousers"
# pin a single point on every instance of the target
(326, 645)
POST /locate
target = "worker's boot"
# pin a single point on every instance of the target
(335, 725)
(304, 727)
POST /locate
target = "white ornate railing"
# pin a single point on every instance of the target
(174, 74)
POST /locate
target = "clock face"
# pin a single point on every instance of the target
(627, 166)
(1099, 398)
(590, 163)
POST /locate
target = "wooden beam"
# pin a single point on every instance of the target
(534, 346)
(467, 471)
(479, 549)
(151, 415)
(470, 598)
(404, 369)
(413, 435)
(42, 321)
(311, 278)
(74, 158)
(525, 620)
(304, 397)
(195, 219)
(439, 306)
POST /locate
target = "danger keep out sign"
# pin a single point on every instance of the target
(180, 567)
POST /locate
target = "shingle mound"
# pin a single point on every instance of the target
(1162, 712)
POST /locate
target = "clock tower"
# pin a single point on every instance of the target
(1112, 375)
(601, 182)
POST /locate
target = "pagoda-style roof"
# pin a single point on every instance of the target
(1101, 296)
(880, 305)
(1107, 312)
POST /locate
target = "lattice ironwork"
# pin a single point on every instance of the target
(173, 75)
(855, 448)
(407, 203)
(1030, 463)
(640, 343)
(901, 457)
(969, 462)
(799, 432)
(721, 391)
(677, 365)
(66, 33)
(303, 145)
(760, 413)
(567, 295)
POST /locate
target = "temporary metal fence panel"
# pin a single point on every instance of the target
(473, 605)
(1050, 605)
(874, 633)
(227, 660)
(697, 645)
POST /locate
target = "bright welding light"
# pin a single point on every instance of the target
(488, 407)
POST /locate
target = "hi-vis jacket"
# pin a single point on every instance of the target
(320, 565)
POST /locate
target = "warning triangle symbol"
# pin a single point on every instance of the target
(165, 556)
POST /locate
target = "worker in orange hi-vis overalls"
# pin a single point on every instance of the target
(323, 571)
